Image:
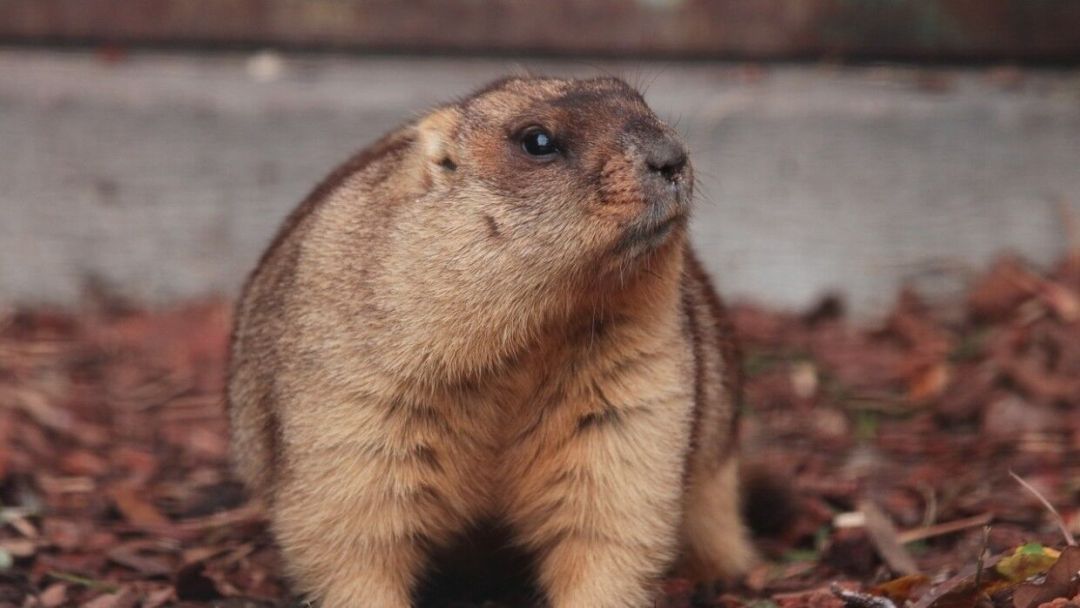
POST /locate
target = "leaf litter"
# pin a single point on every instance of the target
(874, 457)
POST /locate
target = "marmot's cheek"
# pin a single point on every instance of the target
(621, 188)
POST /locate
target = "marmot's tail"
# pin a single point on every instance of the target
(769, 504)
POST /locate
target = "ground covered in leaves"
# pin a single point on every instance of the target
(876, 457)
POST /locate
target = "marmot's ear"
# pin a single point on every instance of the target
(438, 143)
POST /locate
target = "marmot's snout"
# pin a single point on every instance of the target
(664, 167)
(666, 181)
(665, 160)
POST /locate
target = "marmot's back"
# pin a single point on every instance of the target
(493, 315)
(267, 310)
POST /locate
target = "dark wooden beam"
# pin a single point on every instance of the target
(751, 29)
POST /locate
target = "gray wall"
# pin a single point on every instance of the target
(164, 176)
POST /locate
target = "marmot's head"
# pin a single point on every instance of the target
(575, 175)
(534, 203)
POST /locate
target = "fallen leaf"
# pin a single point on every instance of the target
(18, 547)
(903, 589)
(53, 596)
(83, 462)
(813, 598)
(1062, 580)
(1060, 299)
(1027, 561)
(958, 591)
(39, 407)
(929, 381)
(135, 509)
(158, 598)
(1001, 290)
(120, 599)
(148, 565)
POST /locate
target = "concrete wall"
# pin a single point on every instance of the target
(164, 176)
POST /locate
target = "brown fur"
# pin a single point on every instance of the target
(448, 332)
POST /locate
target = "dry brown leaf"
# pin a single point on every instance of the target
(131, 557)
(18, 547)
(38, 406)
(929, 382)
(956, 591)
(135, 509)
(158, 598)
(199, 554)
(813, 598)
(902, 590)
(120, 599)
(998, 293)
(53, 596)
(84, 462)
(1063, 301)
(1062, 580)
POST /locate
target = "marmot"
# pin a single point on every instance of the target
(493, 314)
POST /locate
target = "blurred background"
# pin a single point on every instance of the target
(149, 149)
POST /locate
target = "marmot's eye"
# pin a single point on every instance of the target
(538, 142)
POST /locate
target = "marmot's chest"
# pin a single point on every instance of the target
(530, 429)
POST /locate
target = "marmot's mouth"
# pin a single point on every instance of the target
(644, 236)
(666, 226)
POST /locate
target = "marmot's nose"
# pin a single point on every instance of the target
(666, 158)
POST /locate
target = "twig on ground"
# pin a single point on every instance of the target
(949, 527)
(1069, 539)
(982, 557)
(83, 581)
(885, 538)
